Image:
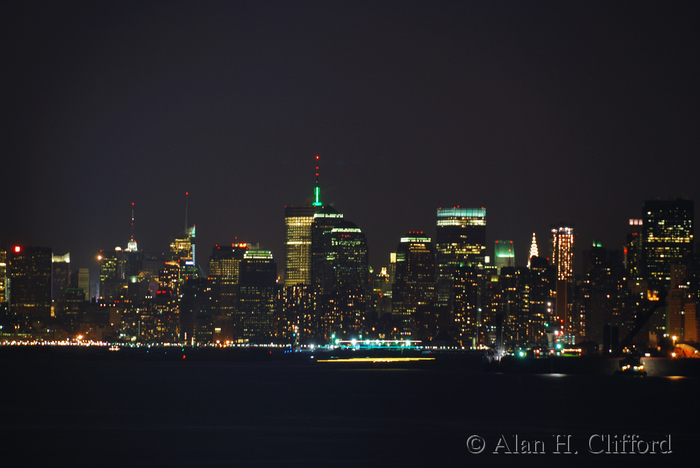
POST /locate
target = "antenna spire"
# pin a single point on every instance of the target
(317, 188)
(131, 246)
(533, 249)
(186, 203)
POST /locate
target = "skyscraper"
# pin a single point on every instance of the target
(298, 221)
(504, 253)
(563, 251)
(111, 276)
(323, 256)
(257, 295)
(563, 262)
(667, 238)
(60, 276)
(460, 241)
(534, 251)
(306, 226)
(633, 249)
(30, 286)
(182, 251)
(414, 291)
(224, 273)
(3, 277)
(344, 303)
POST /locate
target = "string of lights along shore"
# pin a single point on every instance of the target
(447, 289)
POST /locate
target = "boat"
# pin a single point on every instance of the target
(631, 365)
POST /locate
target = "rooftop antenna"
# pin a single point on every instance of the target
(186, 201)
(317, 189)
(132, 243)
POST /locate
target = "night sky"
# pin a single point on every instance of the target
(539, 111)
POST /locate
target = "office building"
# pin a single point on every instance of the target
(30, 286)
(60, 276)
(414, 292)
(504, 251)
(667, 238)
(460, 241)
(298, 223)
(563, 261)
(258, 287)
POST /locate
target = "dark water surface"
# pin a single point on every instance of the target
(124, 413)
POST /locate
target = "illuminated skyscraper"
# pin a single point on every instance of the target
(30, 285)
(414, 291)
(323, 256)
(111, 276)
(563, 251)
(182, 251)
(60, 276)
(563, 262)
(344, 303)
(460, 241)
(534, 251)
(298, 223)
(3, 277)
(667, 238)
(224, 273)
(298, 238)
(505, 254)
(257, 296)
(633, 249)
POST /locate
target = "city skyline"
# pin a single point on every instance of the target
(541, 113)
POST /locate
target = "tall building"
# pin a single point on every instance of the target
(257, 295)
(298, 238)
(504, 253)
(30, 286)
(111, 276)
(534, 251)
(323, 256)
(344, 305)
(603, 298)
(667, 238)
(542, 296)
(414, 292)
(225, 273)
(60, 276)
(84, 281)
(563, 251)
(3, 277)
(563, 262)
(633, 249)
(298, 223)
(182, 251)
(460, 240)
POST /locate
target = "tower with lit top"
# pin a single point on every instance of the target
(298, 222)
(534, 251)
(504, 253)
(460, 243)
(30, 285)
(563, 262)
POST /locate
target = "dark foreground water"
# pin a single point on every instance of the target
(139, 413)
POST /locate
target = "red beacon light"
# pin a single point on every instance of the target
(18, 249)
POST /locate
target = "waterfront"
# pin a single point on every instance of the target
(296, 412)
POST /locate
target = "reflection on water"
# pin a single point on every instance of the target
(294, 414)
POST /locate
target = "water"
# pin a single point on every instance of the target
(141, 413)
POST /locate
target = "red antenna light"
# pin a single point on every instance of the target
(18, 249)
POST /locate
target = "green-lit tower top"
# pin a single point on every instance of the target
(317, 189)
